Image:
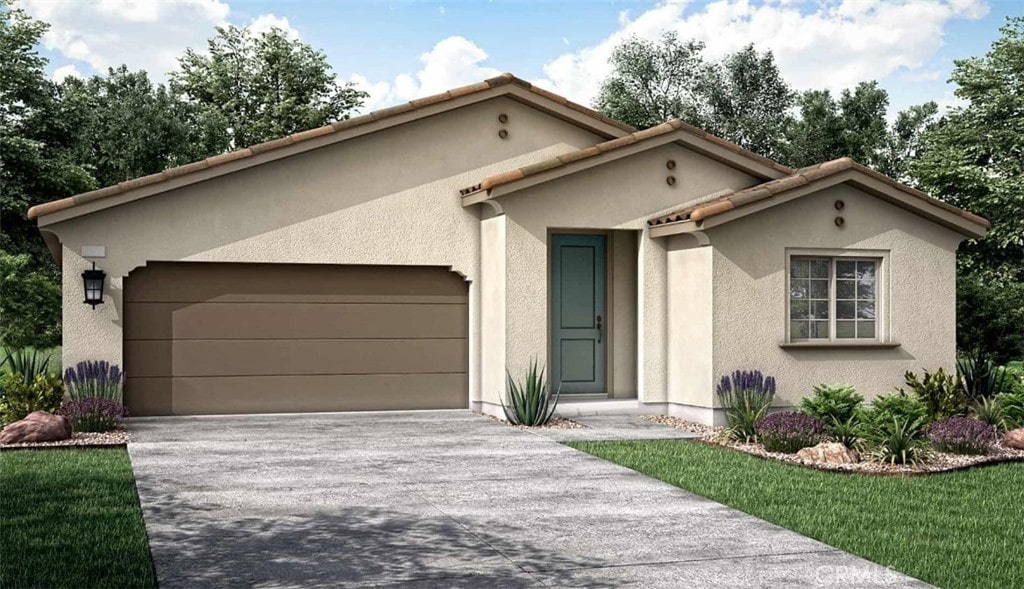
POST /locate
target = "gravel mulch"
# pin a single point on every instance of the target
(696, 428)
(77, 439)
(934, 463)
(555, 423)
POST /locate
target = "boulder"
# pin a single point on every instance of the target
(829, 453)
(38, 426)
(1014, 439)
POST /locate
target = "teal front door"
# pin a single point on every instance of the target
(578, 317)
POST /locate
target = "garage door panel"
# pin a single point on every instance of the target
(204, 395)
(182, 321)
(293, 357)
(256, 338)
(202, 281)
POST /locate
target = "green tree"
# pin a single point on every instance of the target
(852, 126)
(264, 87)
(743, 98)
(36, 148)
(29, 304)
(974, 157)
(653, 82)
(129, 128)
(749, 102)
(903, 141)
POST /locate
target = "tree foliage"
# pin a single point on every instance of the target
(742, 98)
(974, 157)
(127, 127)
(264, 86)
(29, 304)
(36, 137)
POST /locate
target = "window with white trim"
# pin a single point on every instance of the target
(833, 298)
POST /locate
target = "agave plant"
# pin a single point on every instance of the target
(895, 440)
(979, 377)
(27, 362)
(531, 401)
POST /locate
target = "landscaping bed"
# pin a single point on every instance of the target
(957, 529)
(71, 518)
(553, 423)
(116, 438)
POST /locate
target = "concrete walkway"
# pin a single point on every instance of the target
(440, 499)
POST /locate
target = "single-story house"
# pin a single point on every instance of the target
(404, 259)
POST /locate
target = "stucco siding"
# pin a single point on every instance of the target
(386, 198)
(619, 195)
(689, 319)
(750, 292)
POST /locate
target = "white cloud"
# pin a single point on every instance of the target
(265, 22)
(144, 34)
(441, 10)
(922, 75)
(66, 71)
(454, 61)
(831, 45)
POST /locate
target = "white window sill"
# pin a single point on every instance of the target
(852, 344)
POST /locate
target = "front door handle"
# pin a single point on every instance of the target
(598, 329)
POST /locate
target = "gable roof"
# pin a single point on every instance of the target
(260, 153)
(671, 131)
(814, 178)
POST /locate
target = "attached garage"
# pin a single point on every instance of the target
(211, 338)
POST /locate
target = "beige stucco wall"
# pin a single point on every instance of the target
(690, 327)
(622, 322)
(389, 197)
(750, 297)
(618, 195)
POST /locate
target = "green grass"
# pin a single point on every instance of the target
(71, 518)
(962, 529)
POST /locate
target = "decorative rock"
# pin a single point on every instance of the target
(829, 453)
(1014, 439)
(38, 426)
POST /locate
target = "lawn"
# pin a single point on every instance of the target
(71, 518)
(960, 529)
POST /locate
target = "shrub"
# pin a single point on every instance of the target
(979, 377)
(893, 439)
(1011, 408)
(531, 402)
(94, 414)
(19, 397)
(745, 399)
(94, 379)
(962, 435)
(989, 411)
(27, 362)
(940, 392)
(832, 404)
(847, 433)
(790, 431)
(897, 405)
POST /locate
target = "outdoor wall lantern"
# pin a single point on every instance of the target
(93, 280)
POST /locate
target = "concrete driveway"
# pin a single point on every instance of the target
(440, 499)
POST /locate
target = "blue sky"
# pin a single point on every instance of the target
(402, 49)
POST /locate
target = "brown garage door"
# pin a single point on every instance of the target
(262, 338)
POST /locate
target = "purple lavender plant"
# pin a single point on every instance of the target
(789, 431)
(961, 435)
(94, 414)
(94, 379)
(745, 398)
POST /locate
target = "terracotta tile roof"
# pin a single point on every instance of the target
(503, 79)
(611, 145)
(799, 178)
